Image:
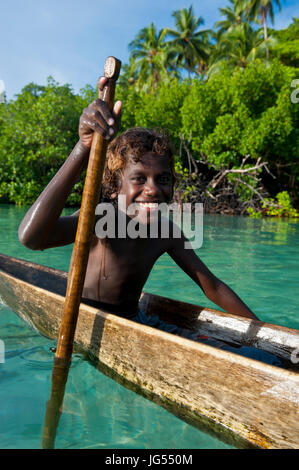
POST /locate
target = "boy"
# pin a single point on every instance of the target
(139, 167)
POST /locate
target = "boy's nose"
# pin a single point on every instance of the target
(151, 189)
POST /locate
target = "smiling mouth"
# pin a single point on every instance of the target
(149, 205)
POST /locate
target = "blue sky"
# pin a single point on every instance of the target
(70, 39)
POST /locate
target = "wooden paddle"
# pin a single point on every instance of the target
(90, 199)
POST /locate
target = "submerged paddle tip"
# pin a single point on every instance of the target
(112, 68)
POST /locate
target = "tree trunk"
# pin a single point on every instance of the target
(264, 21)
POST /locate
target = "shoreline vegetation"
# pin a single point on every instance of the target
(228, 98)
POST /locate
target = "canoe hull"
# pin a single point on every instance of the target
(241, 401)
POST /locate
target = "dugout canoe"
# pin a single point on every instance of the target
(240, 400)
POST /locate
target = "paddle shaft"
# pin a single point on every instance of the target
(77, 272)
(91, 195)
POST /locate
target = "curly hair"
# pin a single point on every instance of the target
(131, 146)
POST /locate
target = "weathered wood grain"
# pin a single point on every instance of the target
(227, 327)
(253, 403)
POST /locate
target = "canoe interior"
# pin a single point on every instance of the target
(232, 329)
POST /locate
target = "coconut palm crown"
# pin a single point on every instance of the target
(187, 41)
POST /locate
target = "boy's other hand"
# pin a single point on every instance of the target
(97, 117)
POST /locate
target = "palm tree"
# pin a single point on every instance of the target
(239, 47)
(259, 9)
(149, 51)
(233, 17)
(190, 45)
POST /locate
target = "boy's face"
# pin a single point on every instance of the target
(147, 183)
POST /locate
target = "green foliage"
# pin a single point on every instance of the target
(159, 110)
(184, 183)
(281, 206)
(286, 49)
(248, 112)
(38, 130)
(239, 47)
(163, 109)
(131, 100)
(225, 119)
(254, 214)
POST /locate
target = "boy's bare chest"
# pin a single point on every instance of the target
(127, 255)
(123, 265)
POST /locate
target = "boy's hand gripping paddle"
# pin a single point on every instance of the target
(77, 271)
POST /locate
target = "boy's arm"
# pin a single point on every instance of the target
(42, 226)
(215, 290)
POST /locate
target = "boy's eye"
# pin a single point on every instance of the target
(163, 179)
(139, 179)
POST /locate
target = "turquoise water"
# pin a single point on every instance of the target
(257, 258)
